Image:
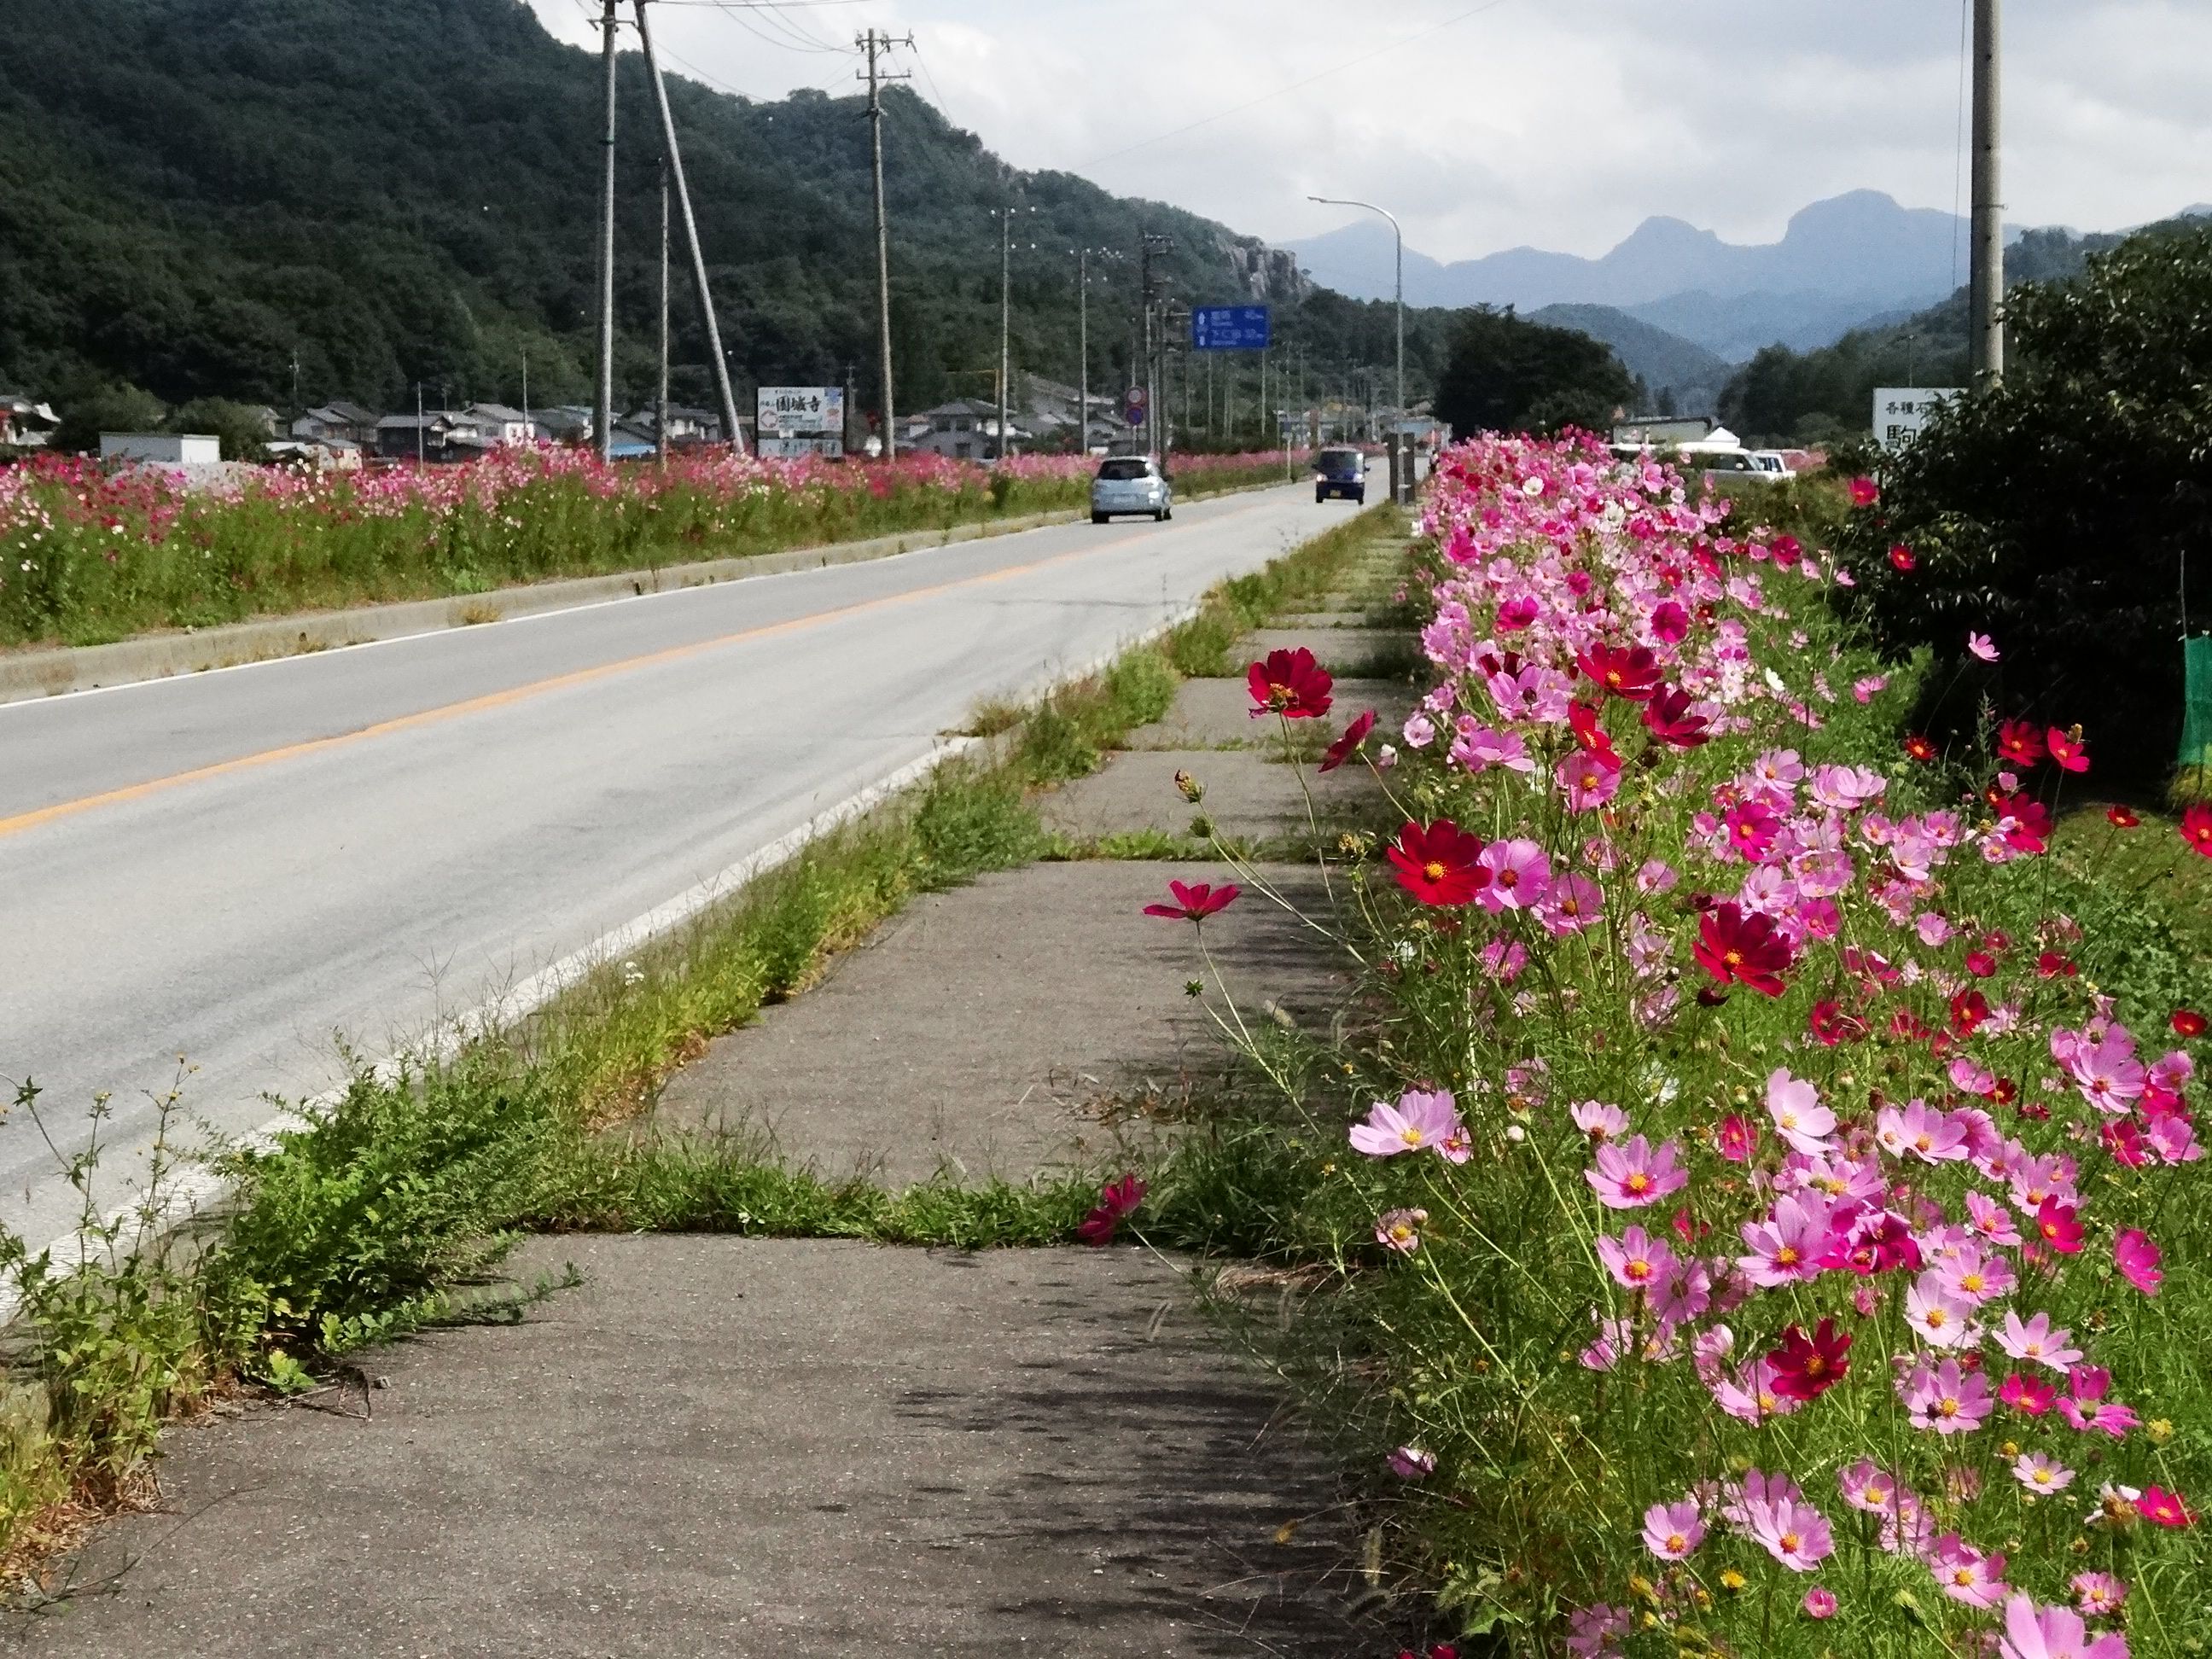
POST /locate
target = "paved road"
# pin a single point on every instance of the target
(238, 866)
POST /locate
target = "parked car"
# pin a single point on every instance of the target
(1341, 472)
(1130, 483)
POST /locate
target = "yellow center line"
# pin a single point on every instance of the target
(451, 711)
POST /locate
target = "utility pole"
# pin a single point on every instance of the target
(1985, 289)
(1006, 256)
(603, 397)
(418, 423)
(1155, 340)
(674, 157)
(660, 398)
(1083, 351)
(526, 397)
(872, 43)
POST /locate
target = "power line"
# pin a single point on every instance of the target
(1334, 68)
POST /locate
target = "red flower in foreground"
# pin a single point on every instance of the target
(1903, 556)
(2057, 1226)
(2197, 828)
(1807, 1367)
(1921, 749)
(1354, 735)
(2019, 743)
(1436, 863)
(2027, 822)
(1590, 734)
(2122, 817)
(1668, 717)
(1741, 948)
(2164, 1509)
(1864, 492)
(2070, 748)
(2187, 1022)
(1195, 901)
(1290, 683)
(1632, 671)
(1117, 1200)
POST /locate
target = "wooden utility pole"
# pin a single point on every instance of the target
(602, 396)
(872, 43)
(674, 157)
(1985, 289)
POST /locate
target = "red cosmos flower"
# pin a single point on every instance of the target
(1668, 717)
(1290, 683)
(1864, 492)
(1787, 549)
(2052, 966)
(2057, 1226)
(1354, 735)
(1195, 901)
(2121, 817)
(1981, 964)
(1921, 749)
(2031, 823)
(1969, 1008)
(1903, 556)
(2164, 1508)
(1589, 735)
(1630, 671)
(1741, 948)
(2070, 748)
(1832, 1026)
(2019, 743)
(2187, 1022)
(1805, 1367)
(2026, 1396)
(1117, 1200)
(2197, 828)
(1436, 863)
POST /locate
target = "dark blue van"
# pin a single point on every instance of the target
(1341, 472)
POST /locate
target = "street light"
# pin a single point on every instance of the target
(1340, 201)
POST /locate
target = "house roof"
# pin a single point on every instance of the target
(496, 412)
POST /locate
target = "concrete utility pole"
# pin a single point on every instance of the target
(1005, 355)
(1399, 418)
(1985, 289)
(674, 157)
(872, 43)
(602, 396)
(1155, 340)
(660, 398)
(1083, 351)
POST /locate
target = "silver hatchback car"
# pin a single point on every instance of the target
(1130, 483)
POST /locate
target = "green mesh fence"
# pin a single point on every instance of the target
(2197, 702)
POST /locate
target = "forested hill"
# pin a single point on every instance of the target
(191, 191)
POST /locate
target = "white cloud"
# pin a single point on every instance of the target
(1556, 122)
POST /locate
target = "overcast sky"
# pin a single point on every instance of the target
(1560, 123)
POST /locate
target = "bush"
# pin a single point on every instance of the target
(2064, 511)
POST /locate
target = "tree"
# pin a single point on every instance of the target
(244, 435)
(1504, 373)
(2063, 510)
(90, 407)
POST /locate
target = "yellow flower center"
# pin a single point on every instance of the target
(1433, 871)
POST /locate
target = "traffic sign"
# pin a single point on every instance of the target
(1230, 328)
(1133, 404)
(1902, 413)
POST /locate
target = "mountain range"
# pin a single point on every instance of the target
(1841, 263)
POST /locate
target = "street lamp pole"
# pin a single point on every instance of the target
(1340, 201)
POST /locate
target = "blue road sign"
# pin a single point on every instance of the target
(1230, 328)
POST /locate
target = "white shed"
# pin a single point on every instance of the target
(161, 448)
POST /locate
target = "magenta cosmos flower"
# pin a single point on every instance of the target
(1520, 875)
(2033, 1632)
(1945, 1398)
(1418, 1122)
(1630, 1176)
(2137, 1259)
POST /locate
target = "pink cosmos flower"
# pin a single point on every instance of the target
(1786, 1248)
(2137, 1259)
(1673, 1531)
(1965, 1574)
(2028, 1396)
(1628, 1177)
(1980, 645)
(1736, 1138)
(1798, 1115)
(1599, 1121)
(2054, 1632)
(1944, 1398)
(1482, 747)
(1656, 876)
(2037, 1341)
(1400, 1230)
(1593, 1632)
(2097, 1593)
(1412, 1463)
(1971, 1078)
(1865, 1485)
(2040, 1474)
(1588, 779)
(2085, 1408)
(1418, 1122)
(1920, 1131)
(1819, 1601)
(1520, 875)
(1941, 1319)
(1975, 1276)
(1572, 904)
(1636, 1259)
(1775, 1515)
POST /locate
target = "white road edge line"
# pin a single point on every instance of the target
(195, 1187)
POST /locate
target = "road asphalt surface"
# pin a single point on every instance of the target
(243, 866)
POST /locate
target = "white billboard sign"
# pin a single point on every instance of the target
(1900, 412)
(799, 420)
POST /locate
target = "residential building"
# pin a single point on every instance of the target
(338, 419)
(24, 423)
(500, 423)
(436, 434)
(966, 429)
